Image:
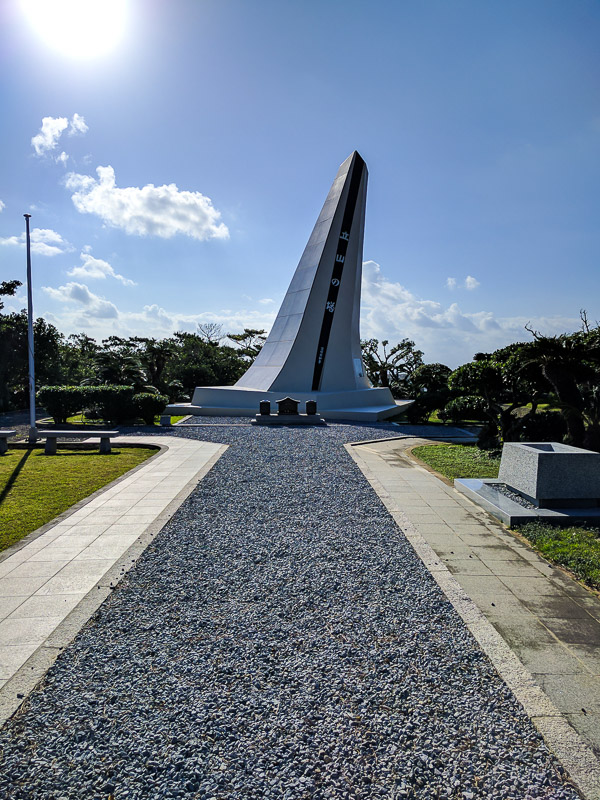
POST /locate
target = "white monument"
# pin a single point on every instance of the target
(313, 350)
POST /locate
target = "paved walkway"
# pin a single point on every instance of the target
(549, 621)
(73, 564)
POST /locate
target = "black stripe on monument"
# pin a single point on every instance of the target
(336, 272)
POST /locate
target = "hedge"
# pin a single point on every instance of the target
(114, 404)
(63, 401)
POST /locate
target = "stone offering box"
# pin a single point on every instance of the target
(552, 475)
(547, 481)
(288, 413)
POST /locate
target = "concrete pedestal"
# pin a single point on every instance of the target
(368, 405)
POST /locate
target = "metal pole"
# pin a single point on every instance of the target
(32, 429)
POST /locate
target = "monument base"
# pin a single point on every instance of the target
(288, 419)
(366, 405)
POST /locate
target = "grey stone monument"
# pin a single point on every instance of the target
(551, 474)
(551, 481)
(313, 350)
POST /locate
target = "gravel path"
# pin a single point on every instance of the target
(279, 639)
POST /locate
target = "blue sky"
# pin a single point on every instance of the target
(180, 169)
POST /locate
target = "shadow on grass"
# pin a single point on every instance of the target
(15, 474)
(67, 453)
(64, 453)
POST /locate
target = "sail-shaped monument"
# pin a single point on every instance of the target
(313, 350)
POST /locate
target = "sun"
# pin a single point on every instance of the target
(78, 28)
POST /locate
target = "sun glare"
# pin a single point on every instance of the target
(78, 28)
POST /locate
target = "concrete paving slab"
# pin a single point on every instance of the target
(81, 581)
(32, 630)
(586, 722)
(38, 569)
(588, 655)
(52, 582)
(467, 566)
(560, 606)
(10, 604)
(525, 587)
(590, 605)
(40, 605)
(12, 657)
(567, 694)
(485, 586)
(58, 553)
(574, 631)
(552, 659)
(521, 632)
(513, 568)
(9, 587)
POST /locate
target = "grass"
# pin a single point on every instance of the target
(81, 419)
(576, 548)
(459, 460)
(35, 488)
(433, 419)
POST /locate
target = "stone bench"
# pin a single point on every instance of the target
(4, 440)
(52, 436)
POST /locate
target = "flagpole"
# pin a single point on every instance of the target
(32, 427)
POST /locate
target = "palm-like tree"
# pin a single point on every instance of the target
(117, 368)
(567, 362)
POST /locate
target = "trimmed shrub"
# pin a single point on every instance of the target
(63, 401)
(148, 405)
(113, 404)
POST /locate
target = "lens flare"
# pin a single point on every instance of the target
(79, 29)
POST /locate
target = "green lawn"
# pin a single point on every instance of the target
(459, 460)
(576, 548)
(35, 488)
(81, 419)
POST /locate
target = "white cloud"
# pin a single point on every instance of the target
(79, 293)
(147, 211)
(44, 242)
(451, 283)
(2, 205)
(266, 301)
(152, 320)
(62, 159)
(471, 282)
(51, 131)
(96, 268)
(77, 125)
(445, 334)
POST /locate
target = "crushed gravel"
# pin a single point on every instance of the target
(279, 639)
(502, 488)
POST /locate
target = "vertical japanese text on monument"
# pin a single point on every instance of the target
(336, 275)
